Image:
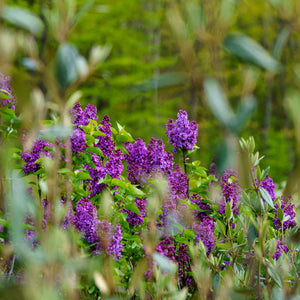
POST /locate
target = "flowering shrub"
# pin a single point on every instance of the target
(155, 226)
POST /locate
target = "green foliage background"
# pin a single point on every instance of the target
(161, 50)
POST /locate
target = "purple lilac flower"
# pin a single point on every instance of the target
(86, 220)
(144, 162)
(205, 231)
(196, 199)
(158, 159)
(110, 239)
(269, 186)
(182, 133)
(115, 247)
(134, 219)
(287, 208)
(38, 150)
(280, 249)
(114, 166)
(167, 248)
(178, 254)
(5, 85)
(177, 182)
(81, 117)
(230, 191)
(78, 140)
(137, 161)
(105, 143)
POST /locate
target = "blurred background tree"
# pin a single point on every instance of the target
(156, 55)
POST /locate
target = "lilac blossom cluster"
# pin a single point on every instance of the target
(289, 214)
(133, 218)
(205, 232)
(5, 86)
(81, 117)
(177, 252)
(101, 233)
(230, 191)
(39, 149)
(182, 133)
(144, 162)
(205, 208)
(281, 248)
(99, 166)
(269, 186)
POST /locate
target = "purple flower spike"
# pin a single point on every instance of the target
(78, 140)
(230, 191)
(38, 150)
(205, 232)
(280, 249)
(137, 161)
(86, 220)
(269, 186)
(81, 117)
(289, 214)
(182, 133)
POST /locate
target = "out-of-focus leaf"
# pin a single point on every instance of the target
(281, 42)
(69, 64)
(23, 18)
(244, 113)
(266, 196)
(56, 132)
(164, 263)
(30, 64)
(98, 54)
(82, 11)
(162, 80)
(249, 50)
(218, 102)
(251, 235)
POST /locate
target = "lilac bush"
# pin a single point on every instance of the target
(196, 219)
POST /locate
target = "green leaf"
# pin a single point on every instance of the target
(218, 102)
(251, 235)
(4, 94)
(266, 196)
(228, 211)
(69, 64)
(216, 281)
(280, 215)
(164, 263)
(134, 191)
(23, 18)
(132, 207)
(245, 112)
(82, 175)
(119, 183)
(95, 150)
(63, 171)
(220, 227)
(249, 50)
(281, 41)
